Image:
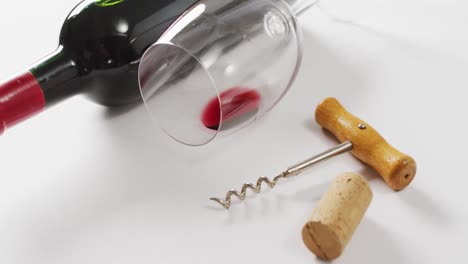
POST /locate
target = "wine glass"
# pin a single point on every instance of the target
(222, 65)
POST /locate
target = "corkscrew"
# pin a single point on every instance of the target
(356, 136)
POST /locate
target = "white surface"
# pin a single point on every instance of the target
(82, 184)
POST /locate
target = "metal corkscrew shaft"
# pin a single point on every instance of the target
(364, 142)
(290, 172)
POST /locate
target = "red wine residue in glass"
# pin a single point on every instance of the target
(236, 103)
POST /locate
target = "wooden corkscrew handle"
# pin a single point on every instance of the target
(397, 169)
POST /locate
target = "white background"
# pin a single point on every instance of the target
(84, 184)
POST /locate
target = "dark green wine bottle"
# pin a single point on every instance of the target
(99, 51)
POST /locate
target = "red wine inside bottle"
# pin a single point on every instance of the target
(99, 52)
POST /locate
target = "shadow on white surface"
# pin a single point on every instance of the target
(371, 243)
(425, 205)
(253, 207)
(116, 112)
(311, 125)
(312, 194)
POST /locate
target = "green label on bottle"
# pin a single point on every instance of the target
(105, 3)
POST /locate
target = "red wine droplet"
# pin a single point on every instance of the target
(235, 103)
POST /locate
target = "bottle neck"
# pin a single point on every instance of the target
(50, 81)
(58, 76)
(300, 6)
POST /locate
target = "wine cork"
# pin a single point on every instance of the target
(337, 216)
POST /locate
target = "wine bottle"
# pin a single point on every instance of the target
(100, 46)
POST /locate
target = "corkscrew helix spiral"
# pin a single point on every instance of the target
(290, 172)
(256, 188)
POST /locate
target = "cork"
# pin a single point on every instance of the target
(337, 216)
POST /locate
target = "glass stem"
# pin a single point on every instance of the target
(300, 6)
